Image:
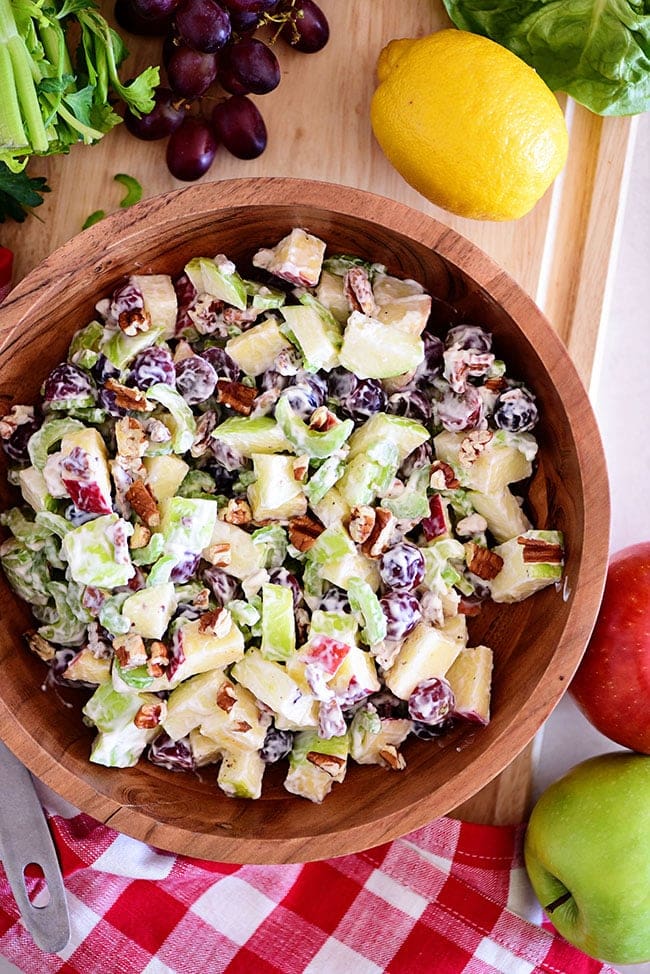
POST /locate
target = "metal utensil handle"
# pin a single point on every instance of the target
(25, 839)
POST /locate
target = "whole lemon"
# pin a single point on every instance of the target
(468, 124)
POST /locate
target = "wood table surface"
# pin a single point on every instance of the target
(318, 123)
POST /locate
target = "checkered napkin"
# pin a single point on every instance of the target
(449, 898)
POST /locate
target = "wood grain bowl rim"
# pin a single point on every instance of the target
(193, 207)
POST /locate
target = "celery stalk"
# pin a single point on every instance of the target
(12, 131)
(20, 81)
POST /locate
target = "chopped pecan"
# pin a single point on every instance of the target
(301, 468)
(362, 521)
(130, 437)
(202, 599)
(238, 511)
(143, 503)
(495, 384)
(134, 321)
(40, 646)
(358, 291)
(148, 716)
(303, 532)
(236, 395)
(331, 764)
(540, 552)
(226, 696)
(442, 476)
(158, 658)
(241, 316)
(15, 418)
(127, 398)
(216, 623)
(473, 446)
(322, 420)
(380, 535)
(202, 437)
(157, 431)
(472, 524)
(483, 562)
(218, 554)
(241, 726)
(130, 651)
(392, 757)
(141, 536)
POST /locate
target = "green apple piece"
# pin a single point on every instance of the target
(426, 652)
(470, 678)
(297, 258)
(51, 432)
(365, 477)
(160, 301)
(87, 667)
(180, 420)
(587, 853)
(257, 348)
(211, 278)
(97, 552)
(85, 344)
(314, 443)
(323, 479)
(91, 442)
(498, 465)
(332, 508)
(374, 350)
(240, 774)
(387, 288)
(248, 436)
(204, 651)
(502, 511)
(270, 683)
(406, 434)
(330, 292)
(150, 610)
(165, 474)
(191, 702)
(315, 765)
(245, 556)
(519, 579)
(360, 666)
(204, 750)
(317, 338)
(34, 489)
(272, 543)
(278, 623)
(120, 742)
(239, 725)
(413, 502)
(120, 348)
(263, 297)
(363, 600)
(339, 560)
(187, 524)
(409, 313)
(275, 493)
(370, 735)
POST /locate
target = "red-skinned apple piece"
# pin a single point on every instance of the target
(612, 684)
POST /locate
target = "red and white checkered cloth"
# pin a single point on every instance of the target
(448, 898)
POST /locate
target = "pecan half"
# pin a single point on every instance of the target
(331, 764)
(43, 649)
(148, 716)
(238, 511)
(473, 446)
(392, 757)
(216, 623)
(362, 521)
(236, 395)
(483, 562)
(540, 552)
(127, 398)
(130, 651)
(380, 535)
(442, 476)
(304, 531)
(134, 321)
(322, 420)
(226, 696)
(358, 291)
(143, 503)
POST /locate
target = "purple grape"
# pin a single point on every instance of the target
(185, 296)
(196, 380)
(420, 457)
(277, 744)
(185, 569)
(67, 382)
(515, 411)
(203, 25)
(432, 701)
(190, 73)
(249, 66)
(224, 587)
(103, 369)
(431, 365)
(334, 600)
(239, 125)
(273, 381)
(133, 22)
(282, 576)
(249, 6)
(222, 363)
(402, 566)
(309, 30)
(460, 412)
(411, 403)
(154, 9)
(161, 121)
(15, 446)
(191, 149)
(173, 755)
(469, 336)
(128, 297)
(388, 706)
(366, 399)
(302, 399)
(402, 612)
(341, 383)
(427, 732)
(150, 366)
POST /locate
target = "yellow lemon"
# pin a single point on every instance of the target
(468, 124)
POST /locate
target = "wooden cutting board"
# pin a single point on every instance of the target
(318, 123)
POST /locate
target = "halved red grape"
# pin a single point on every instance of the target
(191, 149)
(309, 30)
(432, 701)
(165, 116)
(249, 66)
(402, 566)
(240, 126)
(190, 73)
(203, 25)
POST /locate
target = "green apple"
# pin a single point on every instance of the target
(587, 853)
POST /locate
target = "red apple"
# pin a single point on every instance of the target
(612, 685)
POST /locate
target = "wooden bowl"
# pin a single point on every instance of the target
(537, 643)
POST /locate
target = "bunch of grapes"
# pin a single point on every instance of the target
(208, 42)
